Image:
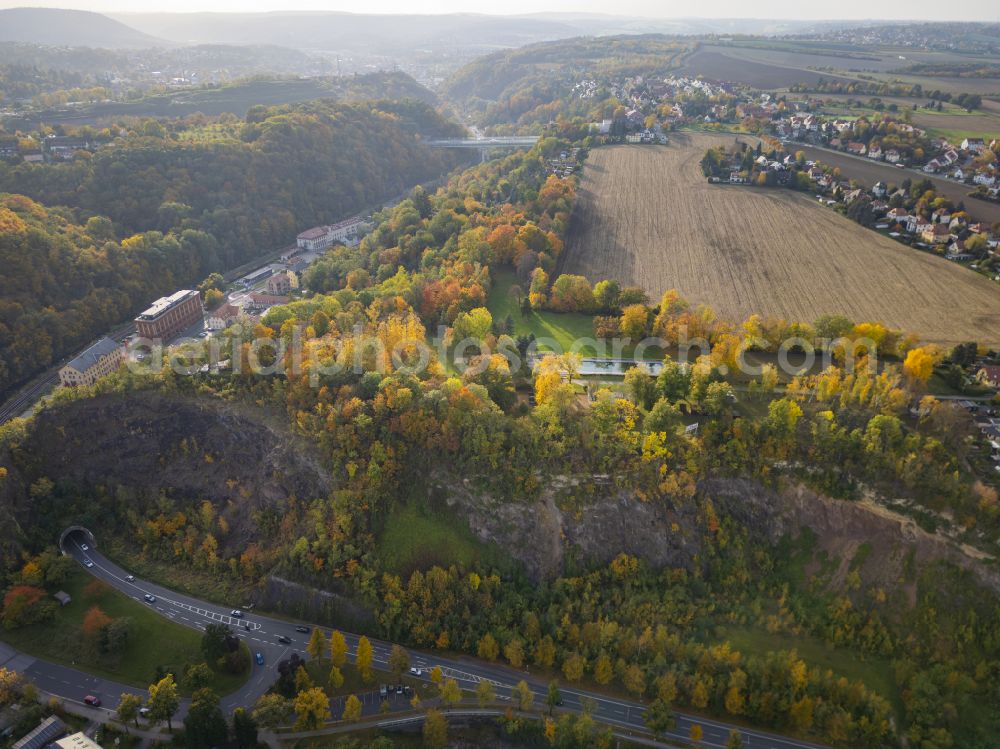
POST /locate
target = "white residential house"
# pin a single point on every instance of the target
(223, 316)
(975, 145)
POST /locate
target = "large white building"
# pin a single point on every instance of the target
(104, 357)
(77, 741)
(321, 237)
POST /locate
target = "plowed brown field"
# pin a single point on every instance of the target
(646, 216)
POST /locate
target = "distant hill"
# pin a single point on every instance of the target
(238, 97)
(70, 28)
(395, 35)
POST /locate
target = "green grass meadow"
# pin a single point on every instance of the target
(154, 640)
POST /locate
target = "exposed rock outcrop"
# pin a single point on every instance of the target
(193, 448)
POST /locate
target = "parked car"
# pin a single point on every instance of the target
(399, 689)
(92, 700)
(149, 598)
(143, 711)
(259, 658)
(383, 690)
(236, 614)
(303, 629)
(87, 563)
(284, 640)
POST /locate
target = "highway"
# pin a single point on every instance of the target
(261, 635)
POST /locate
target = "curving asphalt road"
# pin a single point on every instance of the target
(261, 635)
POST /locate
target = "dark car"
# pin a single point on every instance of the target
(284, 640)
(303, 629)
(260, 659)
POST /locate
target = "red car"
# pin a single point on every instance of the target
(92, 700)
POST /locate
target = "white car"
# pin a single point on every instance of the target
(87, 563)
(85, 547)
(416, 671)
(130, 578)
(236, 614)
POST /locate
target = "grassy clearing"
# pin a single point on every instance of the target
(154, 641)
(562, 328)
(418, 538)
(875, 674)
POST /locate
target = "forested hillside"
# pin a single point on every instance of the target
(535, 80)
(849, 638)
(50, 88)
(162, 208)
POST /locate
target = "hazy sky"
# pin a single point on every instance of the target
(964, 10)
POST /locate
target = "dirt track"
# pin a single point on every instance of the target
(646, 216)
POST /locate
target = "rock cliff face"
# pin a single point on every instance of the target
(245, 460)
(194, 448)
(546, 533)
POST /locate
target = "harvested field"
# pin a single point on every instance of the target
(646, 216)
(729, 66)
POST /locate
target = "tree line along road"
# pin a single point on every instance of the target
(264, 631)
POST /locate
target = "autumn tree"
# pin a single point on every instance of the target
(487, 649)
(338, 648)
(312, 709)
(363, 659)
(352, 709)
(659, 717)
(522, 695)
(399, 660)
(272, 710)
(696, 733)
(163, 700)
(317, 644)
(553, 698)
(449, 693)
(128, 709)
(435, 730)
(484, 693)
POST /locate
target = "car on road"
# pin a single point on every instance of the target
(236, 614)
(130, 578)
(87, 563)
(303, 629)
(85, 547)
(92, 700)
(149, 598)
(259, 658)
(284, 640)
(416, 671)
